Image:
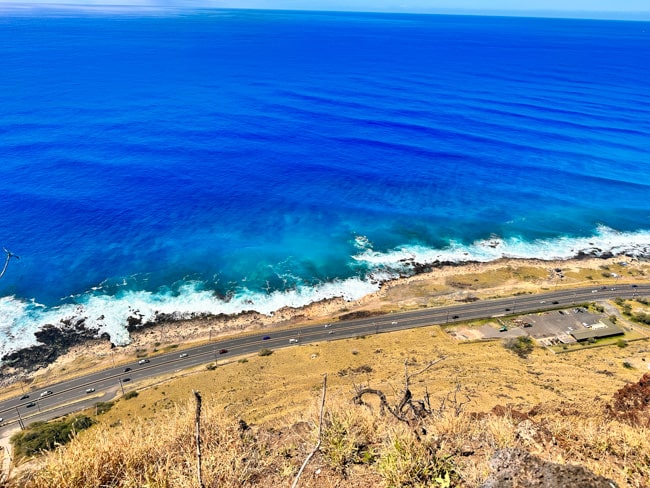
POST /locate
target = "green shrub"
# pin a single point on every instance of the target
(45, 436)
(103, 407)
(130, 394)
(406, 461)
(242, 360)
(522, 346)
(621, 343)
(211, 366)
(265, 352)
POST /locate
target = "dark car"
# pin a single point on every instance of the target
(126, 370)
(223, 351)
(455, 317)
(555, 302)
(266, 338)
(31, 404)
(24, 397)
(124, 380)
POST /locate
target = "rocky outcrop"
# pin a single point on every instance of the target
(516, 468)
(53, 342)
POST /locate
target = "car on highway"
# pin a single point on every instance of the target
(90, 390)
(455, 317)
(555, 302)
(266, 338)
(293, 341)
(126, 370)
(328, 325)
(124, 380)
(31, 404)
(183, 355)
(143, 361)
(1, 419)
(24, 397)
(46, 393)
(223, 351)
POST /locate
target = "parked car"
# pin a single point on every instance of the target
(90, 390)
(46, 393)
(183, 355)
(143, 361)
(223, 351)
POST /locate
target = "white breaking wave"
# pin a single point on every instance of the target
(108, 314)
(602, 243)
(19, 319)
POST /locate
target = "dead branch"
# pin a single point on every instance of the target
(320, 434)
(417, 408)
(358, 399)
(197, 397)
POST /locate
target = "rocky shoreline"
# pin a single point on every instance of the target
(57, 341)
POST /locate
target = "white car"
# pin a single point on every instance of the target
(90, 390)
(143, 361)
(293, 341)
(1, 419)
(183, 355)
(46, 393)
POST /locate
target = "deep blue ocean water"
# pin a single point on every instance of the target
(220, 161)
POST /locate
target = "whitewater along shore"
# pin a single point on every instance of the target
(70, 348)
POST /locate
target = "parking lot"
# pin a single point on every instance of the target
(547, 328)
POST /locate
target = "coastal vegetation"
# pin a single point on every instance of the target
(45, 436)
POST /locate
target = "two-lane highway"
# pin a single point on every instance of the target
(75, 392)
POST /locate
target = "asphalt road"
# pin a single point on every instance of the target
(71, 395)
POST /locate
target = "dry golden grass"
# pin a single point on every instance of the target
(359, 448)
(147, 440)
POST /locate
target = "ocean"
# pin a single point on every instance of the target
(214, 161)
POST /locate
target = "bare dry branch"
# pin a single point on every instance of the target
(197, 397)
(320, 434)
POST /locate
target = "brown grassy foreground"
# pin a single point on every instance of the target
(260, 419)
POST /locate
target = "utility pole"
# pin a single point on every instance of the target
(20, 419)
(121, 386)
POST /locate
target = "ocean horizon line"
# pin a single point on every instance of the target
(158, 7)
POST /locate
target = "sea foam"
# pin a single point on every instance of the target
(109, 313)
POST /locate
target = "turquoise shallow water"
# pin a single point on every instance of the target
(219, 161)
